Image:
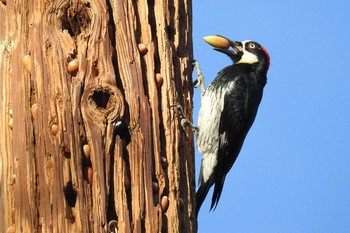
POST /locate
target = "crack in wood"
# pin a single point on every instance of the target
(70, 193)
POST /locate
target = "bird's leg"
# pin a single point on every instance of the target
(184, 121)
(200, 80)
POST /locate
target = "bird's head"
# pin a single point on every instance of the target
(247, 51)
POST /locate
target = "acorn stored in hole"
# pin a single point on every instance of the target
(165, 203)
(159, 80)
(33, 110)
(87, 151)
(54, 129)
(26, 60)
(113, 226)
(142, 49)
(89, 174)
(10, 111)
(10, 123)
(11, 229)
(163, 162)
(217, 41)
(155, 187)
(73, 66)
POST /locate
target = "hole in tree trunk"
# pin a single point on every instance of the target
(66, 152)
(76, 18)
(70, 193)
(103, 103)
(101, 98)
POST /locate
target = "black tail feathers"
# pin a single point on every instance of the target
(217, 193)
(201, 194)
(203, 191)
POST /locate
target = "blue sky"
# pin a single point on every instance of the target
(293, 173)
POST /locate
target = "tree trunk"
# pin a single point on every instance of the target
(97, 146)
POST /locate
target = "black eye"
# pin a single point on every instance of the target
(252, 46)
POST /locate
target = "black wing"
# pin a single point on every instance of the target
(239, 112)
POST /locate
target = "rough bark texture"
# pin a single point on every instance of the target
(114, 104)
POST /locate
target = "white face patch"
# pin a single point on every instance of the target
(247, 57)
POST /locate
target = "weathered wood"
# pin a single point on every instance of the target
(113, 104)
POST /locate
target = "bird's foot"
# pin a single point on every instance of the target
(200, 80)
(184, 121)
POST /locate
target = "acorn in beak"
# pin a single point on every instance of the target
(222, 44)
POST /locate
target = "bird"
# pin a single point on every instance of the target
(228, 109)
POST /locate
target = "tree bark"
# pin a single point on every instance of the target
(99, 147)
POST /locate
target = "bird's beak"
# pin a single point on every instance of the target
(234, 54)
(222, 44)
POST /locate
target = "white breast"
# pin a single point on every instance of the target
(208, 124)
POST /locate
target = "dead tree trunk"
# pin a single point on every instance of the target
(88, 146)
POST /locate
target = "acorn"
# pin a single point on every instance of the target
(155, 187)
(164, 203)
(159, 80)
(73, 66)
(10, 111)
(11, 229)
(3, 1)
(10, 123)
(33, 110)
(163, 161)
(217, 41)
(87, 150)
(87, 172)
(26, 60)
(54, 129)
(142, 49)
(89, 175)
(113, 226)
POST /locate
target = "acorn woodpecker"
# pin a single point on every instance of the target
(229, 107)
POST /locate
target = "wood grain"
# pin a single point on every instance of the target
(112, 103)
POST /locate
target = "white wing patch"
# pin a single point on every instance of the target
(223, 138)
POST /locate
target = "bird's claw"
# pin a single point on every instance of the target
(179, 107)
(200, 79)
(183, 120)
(199, 82)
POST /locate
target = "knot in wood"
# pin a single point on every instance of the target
(103, 102)
(75, 17)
